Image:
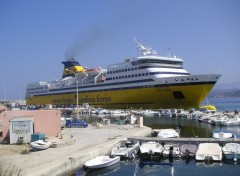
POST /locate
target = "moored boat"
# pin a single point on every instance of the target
(209, 152)
(102, 161)
(151, 148)
(231, 151)
(125, 149)
(188, 150)
(171, 150)
(168, 133)
(40, 145)
(222, 135)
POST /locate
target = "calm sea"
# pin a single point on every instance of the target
(189, 128)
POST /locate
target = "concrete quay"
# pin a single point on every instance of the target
(77, 146)
(195, 140)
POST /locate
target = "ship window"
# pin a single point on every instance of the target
(113, 71)
(129, 69)
(119, 77)
(192, 79)
(136, 68)
(129, 76)
(136, 75)
(113, 78)
(188, 78)
(139, 74)
(122, 70)
(178, 95)
(125, 70)
(147, 74)
(143, 74)
(125, 76)
(116, 71)
(132, 76)
(182, 79)
(196, 78)
(122, 77)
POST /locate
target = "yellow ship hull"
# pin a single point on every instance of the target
(151, 98)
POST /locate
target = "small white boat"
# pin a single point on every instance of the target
(151, 148)
(209, 151)
(151, 113)
(102, 161)
(171, 150)
(231, 151)
(222, 135)
(168, 133)
(232, 121)
(188, 150)
(40, 145)
(126, 149)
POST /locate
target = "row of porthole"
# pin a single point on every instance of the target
(187, 79)
(122, 70)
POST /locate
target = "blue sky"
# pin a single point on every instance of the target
(35, 36)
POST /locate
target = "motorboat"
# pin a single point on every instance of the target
(218, 120)
(188, 150)
(222, 135)
(102, 162)
(168, 133)
(125, 149)
(171, 150)
(232, 121)
(231, 151)
(40, 145)
(151, 113)
(209, 151)
(151, 148)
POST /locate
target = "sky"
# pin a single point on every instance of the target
(36, 36)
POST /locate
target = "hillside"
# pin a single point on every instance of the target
(225, 90)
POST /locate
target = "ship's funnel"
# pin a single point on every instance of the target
(71, 67)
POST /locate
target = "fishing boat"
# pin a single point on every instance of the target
(102, 162)
(125, 149)
(209, 152)
(149, 81)
(151, 148)
(231, 151)
(40, 145)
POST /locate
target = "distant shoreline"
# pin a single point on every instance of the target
(224, 93)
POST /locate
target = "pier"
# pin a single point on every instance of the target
(194, 140)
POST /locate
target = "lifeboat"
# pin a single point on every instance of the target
(100, 79)
(93, 71)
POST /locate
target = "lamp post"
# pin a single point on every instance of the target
(76, 76)
(76, 79)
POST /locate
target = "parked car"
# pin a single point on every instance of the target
(76, 123)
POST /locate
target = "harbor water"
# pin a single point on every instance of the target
(189, 128)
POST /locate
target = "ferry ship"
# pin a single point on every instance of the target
(149, 81)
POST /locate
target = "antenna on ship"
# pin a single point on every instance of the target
(169, 53)
(144, 50)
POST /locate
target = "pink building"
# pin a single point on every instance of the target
(45, 121)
